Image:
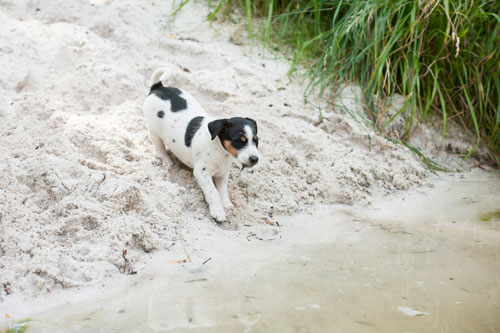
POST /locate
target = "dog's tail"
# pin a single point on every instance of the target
(160, 74)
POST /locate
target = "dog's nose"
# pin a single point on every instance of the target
(253, 159)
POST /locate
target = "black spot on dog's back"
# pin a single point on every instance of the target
(160, 114)
(192, 127)
(177, 103)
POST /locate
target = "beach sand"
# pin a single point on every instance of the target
(80, 181)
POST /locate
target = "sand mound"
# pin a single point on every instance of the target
(79, 179)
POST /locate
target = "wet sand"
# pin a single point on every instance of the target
(424, 262)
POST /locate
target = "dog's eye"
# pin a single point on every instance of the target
(255, 138)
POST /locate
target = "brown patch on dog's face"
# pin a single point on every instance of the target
(229, 147)
(238, 137)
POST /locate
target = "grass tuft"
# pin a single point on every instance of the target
(19, 327)
(495, 215)
(443, 56)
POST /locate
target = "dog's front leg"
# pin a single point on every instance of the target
(206, 183)
(221, 184)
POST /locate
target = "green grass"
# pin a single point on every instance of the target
(443, 56)
(19, 327)
(494, 215)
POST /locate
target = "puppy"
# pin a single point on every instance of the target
(209, 146)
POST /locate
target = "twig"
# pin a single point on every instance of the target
(127, 267)
(203, 279)
(260, 238)
(185, 250)
(242, 167)
(203, 263)
(268, 221)
(251, 235)
(176, 261)
(6, 288)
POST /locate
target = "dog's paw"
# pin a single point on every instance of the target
(227, 204)
(167, 162)
(218, 215)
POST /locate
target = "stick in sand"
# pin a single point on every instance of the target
(185, 250)
(176, 261)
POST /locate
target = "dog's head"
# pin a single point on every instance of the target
(239, 137)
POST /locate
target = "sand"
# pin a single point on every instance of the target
(79, 178)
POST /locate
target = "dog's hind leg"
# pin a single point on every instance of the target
(160, 149)
(221, 184)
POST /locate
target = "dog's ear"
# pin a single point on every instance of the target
(216, 126)
(254, 123)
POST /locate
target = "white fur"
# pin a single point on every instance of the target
(209, 160)
(250, 149)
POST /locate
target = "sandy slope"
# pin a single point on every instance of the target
(79, 180)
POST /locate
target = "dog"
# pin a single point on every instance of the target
(209, 146)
